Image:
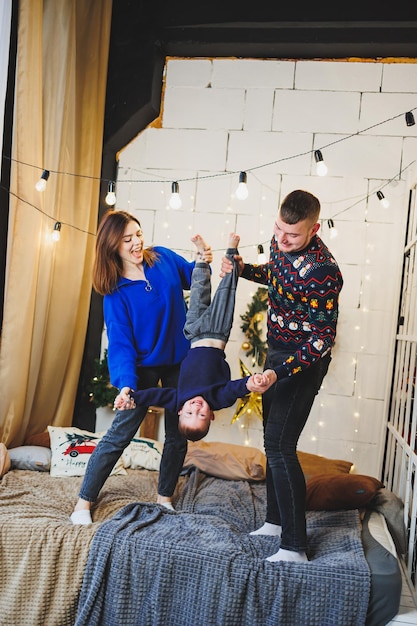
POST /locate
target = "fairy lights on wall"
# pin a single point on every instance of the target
(175, 201)
(111, 195)
(56, 233)
(332, 229)
(383, 200)
(242, 190)
(41, 184)
(321, 167)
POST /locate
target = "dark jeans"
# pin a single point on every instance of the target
(286, 407)
(124, 428)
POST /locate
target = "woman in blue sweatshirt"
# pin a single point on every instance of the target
(144, 314)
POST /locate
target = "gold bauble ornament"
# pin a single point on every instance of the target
(246, 346)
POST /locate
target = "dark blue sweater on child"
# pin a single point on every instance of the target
(204, 372)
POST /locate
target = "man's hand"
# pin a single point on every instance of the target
(261, 382)
(207, 255)
(227, 265)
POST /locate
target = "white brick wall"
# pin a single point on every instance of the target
(222, 116)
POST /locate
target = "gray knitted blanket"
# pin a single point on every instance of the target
(198, 566)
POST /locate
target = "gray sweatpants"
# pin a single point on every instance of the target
(208, 318)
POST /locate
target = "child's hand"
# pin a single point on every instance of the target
(261, 382)
(258, 380)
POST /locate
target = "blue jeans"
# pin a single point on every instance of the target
(124, 427)
(286, 407)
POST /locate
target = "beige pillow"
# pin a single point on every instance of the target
(71, 449)
(315, 465)
(226, 460)
(236, 462)
(4, 460)
(143, 453)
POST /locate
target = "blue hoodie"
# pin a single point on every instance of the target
(145, 328)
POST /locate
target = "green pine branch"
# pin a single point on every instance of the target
(251, 325)
(100, 390)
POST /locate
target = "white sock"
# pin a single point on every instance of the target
(167, 505)
(273, 530)
(288, 555)
(82, 517)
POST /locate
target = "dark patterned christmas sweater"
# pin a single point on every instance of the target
(303, 302)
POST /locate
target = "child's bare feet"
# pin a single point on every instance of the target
(202, 248)
(199, 243)
(233, 240)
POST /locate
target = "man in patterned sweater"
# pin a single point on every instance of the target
(304, 282)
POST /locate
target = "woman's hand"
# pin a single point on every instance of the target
(124, 400)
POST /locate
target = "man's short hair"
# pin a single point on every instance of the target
(299, 205)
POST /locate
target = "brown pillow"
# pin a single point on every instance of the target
(4, 460)
(330, 492)
(40, 439)
(226, 460)
(314, 465)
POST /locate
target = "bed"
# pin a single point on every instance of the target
(140, 564)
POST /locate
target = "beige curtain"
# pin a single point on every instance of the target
(58, 126)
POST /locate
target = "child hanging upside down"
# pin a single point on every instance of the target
(205, 384)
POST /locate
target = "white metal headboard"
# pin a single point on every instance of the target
(400, 465)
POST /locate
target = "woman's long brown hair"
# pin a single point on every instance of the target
(108, 266)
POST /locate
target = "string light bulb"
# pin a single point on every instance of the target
(261, 254)
(321, 167)
(383, 200)
(111, 195)
(332, 229)
(56, 233)
(175, 201)
(41, 184)
(242, 191)
(409, 118)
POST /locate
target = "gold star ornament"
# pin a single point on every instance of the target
(250, 404)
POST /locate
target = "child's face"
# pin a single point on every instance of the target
(195, 412)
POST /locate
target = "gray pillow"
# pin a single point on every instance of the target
(30, 458)
(392, 508)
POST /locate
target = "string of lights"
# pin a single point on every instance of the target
(47, 215)
(242, 191)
